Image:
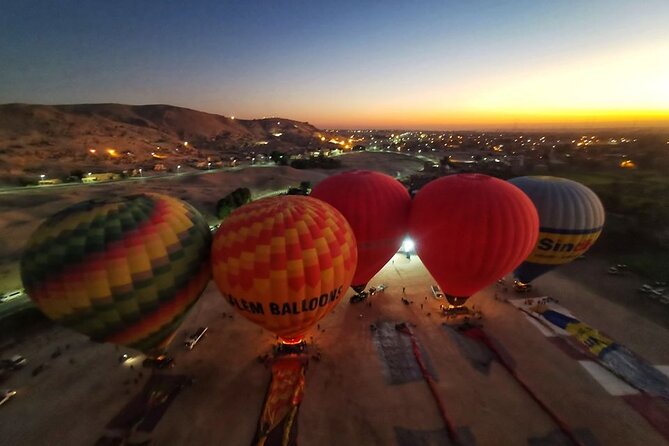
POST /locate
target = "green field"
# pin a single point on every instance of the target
(636, 232)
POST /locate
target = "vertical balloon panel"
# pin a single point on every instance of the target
(471, 230)
(377, 208)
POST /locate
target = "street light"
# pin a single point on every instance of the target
(140, 171)
(42, 176)
(209, 165)
(178, 167)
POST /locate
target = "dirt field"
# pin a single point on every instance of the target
(349, 398)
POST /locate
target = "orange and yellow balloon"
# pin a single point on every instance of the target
(284, 262)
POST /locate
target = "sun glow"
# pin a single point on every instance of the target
(625, 87)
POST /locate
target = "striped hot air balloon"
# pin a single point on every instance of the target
(571, 218)
(377, 208)
(284, 262)
(123, 270)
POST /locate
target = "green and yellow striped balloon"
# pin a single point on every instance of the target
(124, 270)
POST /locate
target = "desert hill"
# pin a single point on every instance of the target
(57, 139)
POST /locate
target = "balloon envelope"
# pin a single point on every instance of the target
(470, 230)
(377, 208)
(571, 218)
(122, 270)
(284, 262)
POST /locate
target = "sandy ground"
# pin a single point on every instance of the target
(348, 397)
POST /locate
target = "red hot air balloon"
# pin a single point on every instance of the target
(470, 230)
(377, 207)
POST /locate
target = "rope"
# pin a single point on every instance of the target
(450, 428)
(478, 334)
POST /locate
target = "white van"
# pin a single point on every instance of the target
(12, 295)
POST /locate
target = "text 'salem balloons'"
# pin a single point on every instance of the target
(377, 208)
(470, 230)
(571, 218)
(284, 262)
(123, 270)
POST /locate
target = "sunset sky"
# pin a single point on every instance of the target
(434, 64)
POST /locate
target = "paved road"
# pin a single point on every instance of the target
(32, 189)
(29, 189)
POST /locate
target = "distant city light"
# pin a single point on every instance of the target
(91, 150)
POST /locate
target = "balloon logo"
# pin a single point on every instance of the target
(124, 270)
(284, 262)
(470, 230)
(571, 218)
(377, 208)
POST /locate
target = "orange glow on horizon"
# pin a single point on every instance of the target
(517, 119)
(626, 87)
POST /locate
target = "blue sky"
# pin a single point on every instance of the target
(343, 63)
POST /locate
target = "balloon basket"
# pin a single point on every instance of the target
(461, 312)
(283, 348)
(521, 287)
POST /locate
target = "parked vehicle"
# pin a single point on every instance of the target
(614, 271)
(356, 298)
(195, 338)
(520, 287)
(6, 395)
(159, 362)
(12, 295)
(14, 363)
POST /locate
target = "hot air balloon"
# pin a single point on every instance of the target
(377, 208)
(284, 262)
(123, 270)
(470, 230)
(571, 218)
